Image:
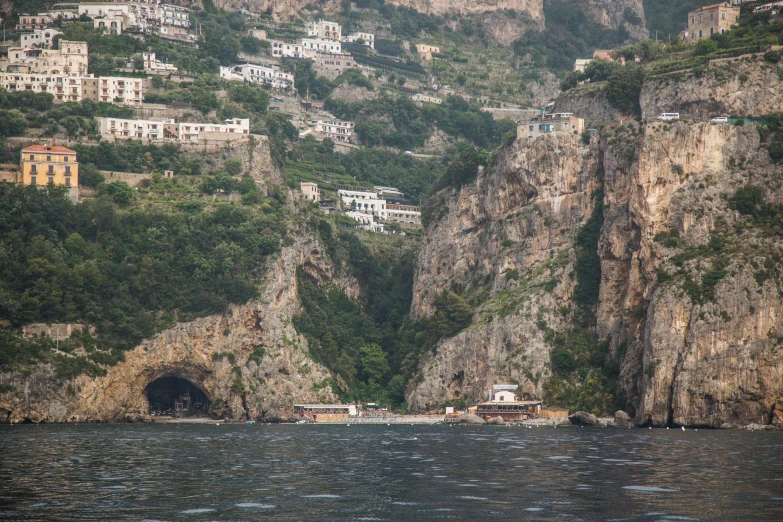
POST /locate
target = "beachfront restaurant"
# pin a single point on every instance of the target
(326, 412)
(510, 411)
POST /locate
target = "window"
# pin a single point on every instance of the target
(699, 33)
(723, 16)
(51, 179)
(51, 169)
(67, 182)
(712, 16)
(67, 170)
(711, 31)
(33, 180)
(65, 159)
(32, 157)
(33, 169)
(48, 158)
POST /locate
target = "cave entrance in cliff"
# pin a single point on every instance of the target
(176, 396)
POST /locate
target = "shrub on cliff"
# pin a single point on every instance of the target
(624, 88)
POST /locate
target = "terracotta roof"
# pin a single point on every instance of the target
(48, 148)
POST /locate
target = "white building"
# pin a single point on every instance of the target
(286, 50)
(151, 63)
(368, 39)
(365, 221)
(101, 9)
(39, 39)
(133, 129)
(64, 88)
(424, 98)
(365, 202)
(193, 131)
(774, 6)
(169, 130)
(266, 74)
(173, 15)
(324, 29)
(335, 130)
(118, 89)
(66, 11)
(405, 214)
(322, 45)
(425, 51)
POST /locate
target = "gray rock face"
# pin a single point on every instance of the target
(284, 374)
(748, 86)
(496, 421)
(582, 418)
(469, 418)
(622, 419)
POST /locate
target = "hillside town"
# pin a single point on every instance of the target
(45, 62)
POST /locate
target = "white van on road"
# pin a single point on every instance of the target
(669, 116)
(719, 119)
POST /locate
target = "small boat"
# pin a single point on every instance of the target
(250, 422)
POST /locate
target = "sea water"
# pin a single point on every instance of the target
(337, 472)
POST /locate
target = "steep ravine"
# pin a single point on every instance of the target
(700, 347)
(209, 352)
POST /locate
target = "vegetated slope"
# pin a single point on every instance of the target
(677, 325)
(668, 18)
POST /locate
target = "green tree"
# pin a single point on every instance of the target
(373, 365)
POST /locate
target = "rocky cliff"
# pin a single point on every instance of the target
(507, 239)
(255, 342)
(690, 289)
(532, 8)
(739, 87)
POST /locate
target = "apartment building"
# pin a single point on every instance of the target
(169, 129)
(403, 214)
(332, 65)
(322, 45)
(49, 164)
(121, 129)
(113, 23)
(286, 50)
(64, 88)
(324, 29)
(363, 201)
(39, 39)
(173, 15)
(335, 130)
(114, 89)
(711, 19)
(70, 59)
(32, 22)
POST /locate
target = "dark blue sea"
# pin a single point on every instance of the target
(396, 473)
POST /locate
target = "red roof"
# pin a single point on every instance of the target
(48, 148)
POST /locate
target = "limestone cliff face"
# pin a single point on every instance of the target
(532, 8)
(507, 239)
(687, 362)
(590, 103)
(202, 352)
(615, 14)
(748, 86)
(699, 347)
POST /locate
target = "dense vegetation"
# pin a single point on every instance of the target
(357, 342)
(129, 271)
(570, 34)
(400, 123)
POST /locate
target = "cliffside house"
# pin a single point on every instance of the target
(557, 123)
(710, 19)
(504, 404)
(425, 51)
(368, 39)
(310, 191)
(42, 165)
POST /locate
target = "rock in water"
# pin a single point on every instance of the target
(469, 418)
(582, 418)
(622, 419)
(497, 421)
